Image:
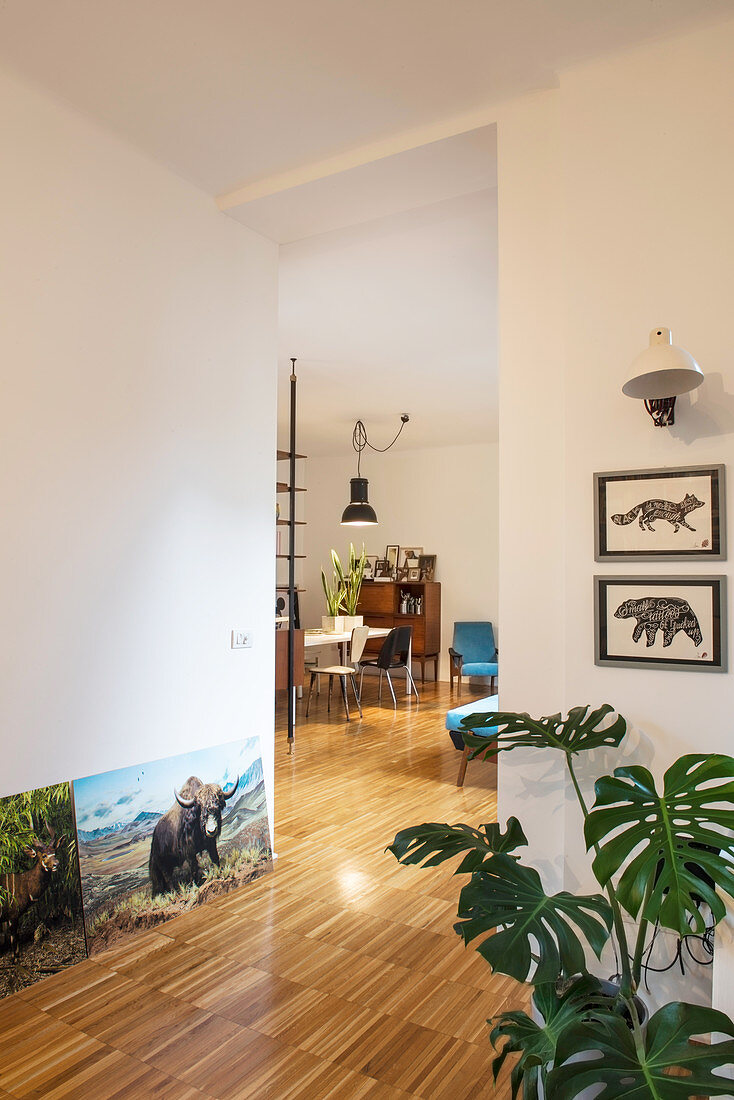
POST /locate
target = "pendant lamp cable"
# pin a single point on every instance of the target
(360, 440)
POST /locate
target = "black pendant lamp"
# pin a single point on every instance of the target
(359, 512)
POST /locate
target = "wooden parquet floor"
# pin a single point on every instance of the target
(339, 975)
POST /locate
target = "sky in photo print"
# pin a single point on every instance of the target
(120, 795)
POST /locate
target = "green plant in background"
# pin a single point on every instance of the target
(334, 591)
(657, 856)
(350, 578)
(23, 820)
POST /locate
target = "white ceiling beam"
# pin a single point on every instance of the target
(355, 158)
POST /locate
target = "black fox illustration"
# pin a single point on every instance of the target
(651, 510)
(666, 613)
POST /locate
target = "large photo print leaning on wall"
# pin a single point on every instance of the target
(158, 838)
(42, 931)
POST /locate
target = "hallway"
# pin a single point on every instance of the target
(339, 975)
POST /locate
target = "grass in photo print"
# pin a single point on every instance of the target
(40, 895)
(159, 838)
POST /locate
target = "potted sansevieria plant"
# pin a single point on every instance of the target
(333, 621)
(658, 856)
(351, 582)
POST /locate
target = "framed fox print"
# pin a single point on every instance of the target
(661, 622)
(672, 514)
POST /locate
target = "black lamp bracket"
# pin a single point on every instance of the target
(662, 411)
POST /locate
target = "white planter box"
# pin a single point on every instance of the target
(332, 624)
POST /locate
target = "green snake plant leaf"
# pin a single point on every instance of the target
(533, 935)
(665, 841)
(579, 731)
(631, 1074)
(536, 1043)
(431, 843)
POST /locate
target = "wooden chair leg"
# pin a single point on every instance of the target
(435, 668)
(423, 670)
(462, 766)
(343, 683)
(458, 692)
(357, 699)
(310, 689)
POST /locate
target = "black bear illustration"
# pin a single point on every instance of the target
(666, 613)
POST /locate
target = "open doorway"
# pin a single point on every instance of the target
(388, 299)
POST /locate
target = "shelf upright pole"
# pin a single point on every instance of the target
(292, 565)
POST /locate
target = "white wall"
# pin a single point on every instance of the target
(643, 147)
(138, 352)
(443, 499)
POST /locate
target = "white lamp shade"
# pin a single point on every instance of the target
(663, 370)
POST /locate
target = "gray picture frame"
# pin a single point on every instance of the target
(669, 545)
(713, 658)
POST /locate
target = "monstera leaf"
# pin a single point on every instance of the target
(536, 1043)
(631, 1074)
(578, 732)
(667, 840)
(534, 929)
(431, 844)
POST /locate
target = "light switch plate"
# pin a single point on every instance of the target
(241, 639)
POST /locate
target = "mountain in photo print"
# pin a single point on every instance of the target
(158, 838)
(41, 928)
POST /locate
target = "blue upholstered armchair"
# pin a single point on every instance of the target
(473, 652)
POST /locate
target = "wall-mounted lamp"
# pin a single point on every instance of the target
(359, 512)
(662, 372)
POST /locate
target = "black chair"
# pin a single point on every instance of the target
(393, 655)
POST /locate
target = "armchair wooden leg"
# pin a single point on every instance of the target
(458, 692)
(435, 668)
(462, 766)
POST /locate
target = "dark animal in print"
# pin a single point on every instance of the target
(191, 826)
(26, 887)
(666, 613)
(650, 510)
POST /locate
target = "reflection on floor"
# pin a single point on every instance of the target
(337, 976)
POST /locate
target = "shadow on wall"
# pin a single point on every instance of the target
(711, 414)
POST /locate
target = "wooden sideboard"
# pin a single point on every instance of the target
(379, 603)
(281, 658)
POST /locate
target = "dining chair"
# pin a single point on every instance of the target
(393, 655)
(358, 641)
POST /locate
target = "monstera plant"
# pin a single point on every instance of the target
(658, 856)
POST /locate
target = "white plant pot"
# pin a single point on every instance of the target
(591, 1091)
(332, 624)
(350, 621)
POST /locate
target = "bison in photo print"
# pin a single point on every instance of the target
(190, 828)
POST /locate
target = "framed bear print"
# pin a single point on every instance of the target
(672, 514)
(661, 622)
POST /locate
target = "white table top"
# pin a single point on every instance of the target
(322, 638)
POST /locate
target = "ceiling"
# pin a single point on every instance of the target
(226, 92)
(459, 165)
(395, 315)
(388, 269)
